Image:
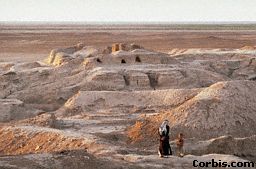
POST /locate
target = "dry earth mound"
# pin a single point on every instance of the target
(27, 139)
(225, 108)
(90, 98)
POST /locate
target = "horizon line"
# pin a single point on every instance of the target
(130, 22)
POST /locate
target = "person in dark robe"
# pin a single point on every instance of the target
(164, 147)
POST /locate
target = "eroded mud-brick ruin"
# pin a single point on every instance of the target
(109, 102)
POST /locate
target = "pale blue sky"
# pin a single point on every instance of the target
(128, 10)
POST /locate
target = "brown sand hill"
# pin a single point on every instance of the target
(224, 108)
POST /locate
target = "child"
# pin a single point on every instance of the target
(180, 143)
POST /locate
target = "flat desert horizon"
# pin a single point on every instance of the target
(22, 41)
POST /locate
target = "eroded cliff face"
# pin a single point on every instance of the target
(109, 102)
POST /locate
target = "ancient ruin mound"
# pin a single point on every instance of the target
(86, 100)
(225, 108)
(248, 48)
(27, 139)
(99, 100)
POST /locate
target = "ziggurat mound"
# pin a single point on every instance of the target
(109, 101)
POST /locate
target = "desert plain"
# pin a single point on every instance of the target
(93, 95)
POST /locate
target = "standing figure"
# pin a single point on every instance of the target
(180, 143)
(164, 148)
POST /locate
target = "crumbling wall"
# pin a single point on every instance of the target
(115, 47)
(139, 81)
(59, 56)
(125, 47)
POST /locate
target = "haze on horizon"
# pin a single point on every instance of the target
(128, 10)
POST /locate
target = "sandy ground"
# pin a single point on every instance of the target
(33, 42)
